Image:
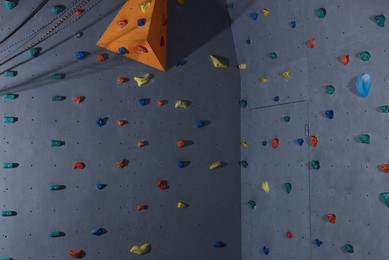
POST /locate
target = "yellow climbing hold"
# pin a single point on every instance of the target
(215, 165)
(143, 80)
(180, 2)
(144, 6)
(242, 66)
(265, 12)
(140, 250)
(245, 144)
(265, 186)
(181, 205)
(217, 63)
(264, 80)
(181, 104)
(286, 74)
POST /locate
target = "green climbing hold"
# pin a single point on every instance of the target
(9, 97)
(380, 20)
(385, 198)
(365, 56)
(252, 204)
(33, 52)
(8, 165)
(10, 73)
(9, 119)
(321, 12)
(57, 9)
(55, 187)
(57, 98)
(57, 76)
(273, 55)
(55, 234)
(10, 4)
(243, 103)
(244, 164)
(7, 213)
(315, 165)
(286, 119)
(384, 109)
(56, 143)
(364, 138)
(349, 248)
(288, 187)
(330, 89)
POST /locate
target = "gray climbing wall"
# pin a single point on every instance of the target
(195, 30)
(350, 179)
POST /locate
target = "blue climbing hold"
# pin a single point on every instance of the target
(219, 244)
(142, 102)
(329, 114)
(200, 123)
(317, 242)
(293, 24)
(266, 250)
(300, 141)
(180, 164)
(248, 41)
(276, 98)
(363, 84)
(80, 55)
(254, 16)
(180, 63)
(141, 22)
(122, 50)
(100, 122)
(100, 186)
(98, 231)
(264, 143)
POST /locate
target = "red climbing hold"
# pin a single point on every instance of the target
(121, 164)
(121, 80)
(275, 143)
(289, 234)
(313, 140)
(141, 207)
(142, 143)
(78, 99)
(311, 43)
(161, 102)
(79, 12)
(331, 218)
(77, 254)
(121, 122)
(79, 165)
(181, 143)
(122, 23)
(140, 49)
(345, 59)
(162, 185)
(100, 57)
(385, 167)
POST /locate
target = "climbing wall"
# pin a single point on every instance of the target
(304, 60)
(142, 190)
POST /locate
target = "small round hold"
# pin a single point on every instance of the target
(100, 57)
(264, 143)
(300, 141)
(276, 98)
(142, 102)
(122, 50)
(180, 143)
(79, 35)
(99, 122)
(141, 22)
(80, 55)
(180, 164)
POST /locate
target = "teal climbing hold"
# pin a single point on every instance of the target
(57, 187)
(10, 4)
(6, 258)
(8, 165)
(385, 198)
(57, 9)
(286, 119)
(380, 20)
(7, 213)
(9, 119)
(9, 96)
(364, 138)
(56, 143)
(330, 89)
(273, 55)
(55, 234)
(349, 248)
(321, 12)
(365, 56)
(244, 164)
(243, 103)
(10, 73)
(33, 52)
(384, 109)
(315, 164)
(252, 204)
(57, 76)
(288, 187)
(363, 84)
(57, 98)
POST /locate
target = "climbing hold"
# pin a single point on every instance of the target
(182, 205)
(315, 164)
(57, 187)
(121, 164)
(34, 52)
(276, 99)
(264, 80)
(79, 35)
(80, 55)
(161, 102)
(242, 66)
(252, 204)
(288, 187)
(58, 98)
(244, 164)
(100, 122)
(56, 143)
(200, 123)
(76, 254)
(57, 9)
(286, 74)
(10, 119)
(385, 198)
(122, 50)
(264, 143)
(122, 23)
(79, 12)
(217, 63)
(144, 6)
(100, 57)
(142, 102)
(142, 143)
(143, 80)
(121, 80)
(331, 218)
(254, 16)
(321, 12)
(180, 164)
(78, 165)
(162, 185)
(349, 248)
(317, 242)
(141, 207)
(289, 234)
(248, 41)
(121, 122)
(365, 56)
(9, 165)
(181, 104)
(57, 76)
(273, 55)
(215, 165)
(380, 20)
(313, 140)
(10, 73)
(384, 109)
(78, 99)
(275, 142)
(345, 59)
(10, 4)
(300, 141)
(363, 84)
(140, 250)
(140, 49)
(97, 231)
(180, 143)
(244, 144)
(384, 167)
(286, 119)
(329, 114)
(10, 96)
(265, 186)
(141, 22)
(179, 63)
(218, 244)
(266, 250)
(243, 103)
(55, 234)
(265, 12)
(311, 43)
(330, 89)
(100, 186)
(293, 24)
(7, 213)
(364, 138)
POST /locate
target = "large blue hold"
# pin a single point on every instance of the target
(363, 84)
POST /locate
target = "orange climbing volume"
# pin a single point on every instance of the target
(139, 32)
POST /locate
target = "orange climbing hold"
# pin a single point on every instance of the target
(79, 165)
(313, 140)
(311, 43)
(77, 254)
(162, 185)
(289, 234)
(142, 144)
(79, 12)
(121, 164)
(121, 122)
(275, 142)
(345, 59)
(385, 167)
(180, 143)
(331, 218)
(100, 57)
(141, 207)
(78, 99)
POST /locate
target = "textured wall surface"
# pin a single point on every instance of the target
(350, 180)
(195, 30)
